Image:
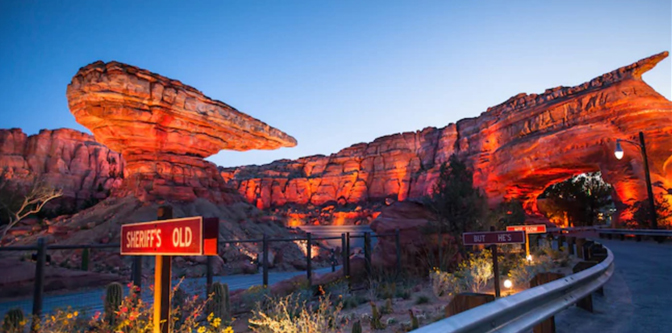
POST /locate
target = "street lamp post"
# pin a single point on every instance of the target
(642, 146)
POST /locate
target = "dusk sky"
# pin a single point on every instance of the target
(329, 73)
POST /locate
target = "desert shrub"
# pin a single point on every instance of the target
(291, 315)
(444, 283)
(472, 274)
(476, 270)
(421, 299)
(255, 295)
(523, 270)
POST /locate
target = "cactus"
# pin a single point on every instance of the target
(113, 298)
(14, 321)
(414, 320)
(220, 304)
(85, 259)
(376, 324)
(356, 327)
(387, 308)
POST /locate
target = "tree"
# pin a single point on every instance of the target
(458, 206)
(16, 202)
(510, 212)
(641, 217)
(581, 198)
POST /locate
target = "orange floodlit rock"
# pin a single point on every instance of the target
(164, 130)
(516, 149)
(64, 158)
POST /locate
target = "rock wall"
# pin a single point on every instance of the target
(164, 129)
(63, 158)
(516, 150)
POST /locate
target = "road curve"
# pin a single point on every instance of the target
(637, 298)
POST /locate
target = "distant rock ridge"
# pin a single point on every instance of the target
(516, 150)
(64, 158)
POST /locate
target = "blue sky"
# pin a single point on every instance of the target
(329, 73)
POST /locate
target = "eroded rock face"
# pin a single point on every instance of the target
(516, 149)
(63, 158)
(164, 130)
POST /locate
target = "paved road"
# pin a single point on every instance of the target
(91, 301)
(638, 297)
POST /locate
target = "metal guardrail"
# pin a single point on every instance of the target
(524, 310)
(640, 232)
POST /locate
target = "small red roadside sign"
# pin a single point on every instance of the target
(530, 229)
(190, 236)
(493, 237)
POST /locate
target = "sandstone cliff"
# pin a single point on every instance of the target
(164, 129)
(63, 158)
(516, 149)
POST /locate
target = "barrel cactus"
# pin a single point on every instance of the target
(414, 320)
(113, 298)
(220, 304)
(14, 321)
(376, 324)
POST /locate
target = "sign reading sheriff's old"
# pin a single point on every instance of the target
(190, 236)
(530, 229)
(493, 237)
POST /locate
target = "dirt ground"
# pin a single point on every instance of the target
(423, 303)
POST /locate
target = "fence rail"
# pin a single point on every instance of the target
(524, 310)
(41, 257)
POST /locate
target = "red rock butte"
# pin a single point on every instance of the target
(164, 130)
(516, 149)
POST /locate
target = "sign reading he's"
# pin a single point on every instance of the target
(530, 229)
(189, 236)
(493, 237)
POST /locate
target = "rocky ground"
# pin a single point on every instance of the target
(101, 225)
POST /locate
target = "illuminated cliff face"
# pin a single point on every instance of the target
(516, 149)
(164, 130)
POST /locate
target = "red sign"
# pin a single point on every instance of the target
(530, 229)
(493, 237)
(190, 236)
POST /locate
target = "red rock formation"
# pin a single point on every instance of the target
(516, 149)
(63, 158)
(417, 238)
(164, 130)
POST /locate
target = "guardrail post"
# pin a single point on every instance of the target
(367, 253)
(622, 237)
(585, 303)
(570, 244)
(548, 325)
(397, 242)
(638, 238)
(587, 254)
(309, 263)
(579, 247)
(465, 301)
(38, 293)
(264, 260)
(561, 241)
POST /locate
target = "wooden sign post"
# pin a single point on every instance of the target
(529, 229)
(493, 238)
(165, 238)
